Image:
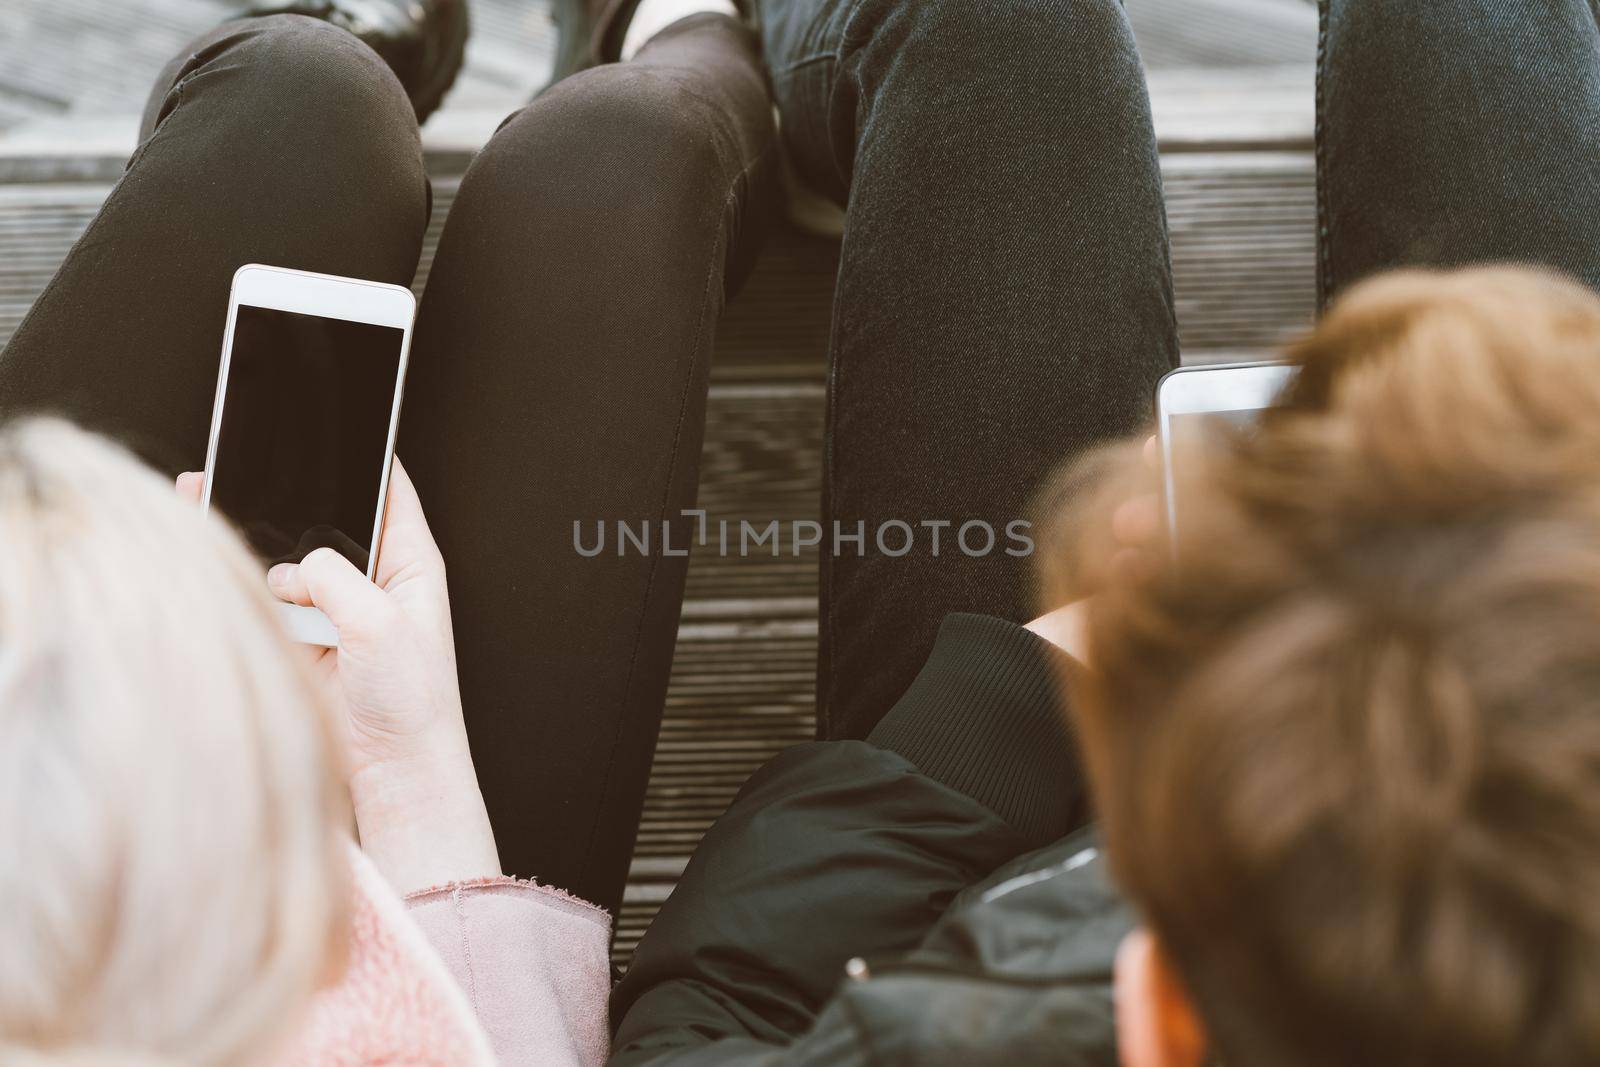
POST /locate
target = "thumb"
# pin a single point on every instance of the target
(327, 581)
(191, 486)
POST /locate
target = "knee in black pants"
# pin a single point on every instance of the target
(297, 71)
(649, 120)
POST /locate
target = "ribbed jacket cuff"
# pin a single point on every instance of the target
(986, 717)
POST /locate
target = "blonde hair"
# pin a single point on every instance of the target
(172, 886)
(1345, 733)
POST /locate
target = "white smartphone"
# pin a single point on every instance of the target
(303, 428)
(1190, 397)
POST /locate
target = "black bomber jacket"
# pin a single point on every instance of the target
(849, 910)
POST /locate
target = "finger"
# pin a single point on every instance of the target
(191, 484)
(324, 536)
(331, 583)
(1137, 521)
(403, 500)
(406, 537)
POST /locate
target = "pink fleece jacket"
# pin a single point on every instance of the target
(470, 974)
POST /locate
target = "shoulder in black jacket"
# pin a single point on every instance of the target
(852, 909)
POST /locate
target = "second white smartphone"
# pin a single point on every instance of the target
(1187, 398)
(303, 427)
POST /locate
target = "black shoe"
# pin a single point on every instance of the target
(423, 41)
(591, 32)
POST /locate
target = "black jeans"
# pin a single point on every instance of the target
(1003, 300)
(1004, 295)
(1455, 132)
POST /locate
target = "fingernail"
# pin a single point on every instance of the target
(278, 576)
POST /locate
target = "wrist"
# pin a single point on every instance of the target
(1066, 628)
(422, 819)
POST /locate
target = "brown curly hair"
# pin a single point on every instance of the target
(1344, 733)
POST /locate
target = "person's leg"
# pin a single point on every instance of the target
(1004, 298)
(559, 376)
(278, 140)
(1455, 132)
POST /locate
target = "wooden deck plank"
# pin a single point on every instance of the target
(1224, 34)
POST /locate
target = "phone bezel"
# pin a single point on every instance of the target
(1219, 387)
(331, 297)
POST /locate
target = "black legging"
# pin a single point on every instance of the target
(1003, 299)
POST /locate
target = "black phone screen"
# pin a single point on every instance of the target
(304, 433)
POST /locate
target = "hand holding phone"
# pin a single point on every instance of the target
(1135, 526)
(393, 678)
(394, 669)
